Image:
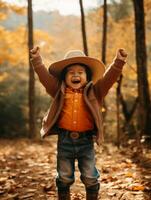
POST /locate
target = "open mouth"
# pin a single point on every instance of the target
(76, 80)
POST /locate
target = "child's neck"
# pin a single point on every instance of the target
(75, 90)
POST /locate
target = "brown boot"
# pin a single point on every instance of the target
(92, 196)
(63, 195)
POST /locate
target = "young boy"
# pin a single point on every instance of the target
(78, 84)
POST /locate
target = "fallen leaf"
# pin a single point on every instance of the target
(129, 174)
(49, 187)
(26, 196)
(137, 188)
(3, 180)
(111, 194)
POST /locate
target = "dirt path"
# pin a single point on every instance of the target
(27, 171)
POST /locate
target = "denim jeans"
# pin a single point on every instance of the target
(69, 150)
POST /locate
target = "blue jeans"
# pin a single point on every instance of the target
(81, 149)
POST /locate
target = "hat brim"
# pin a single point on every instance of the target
(96, 66)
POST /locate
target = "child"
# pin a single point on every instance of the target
(77, 84)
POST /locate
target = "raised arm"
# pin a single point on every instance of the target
(50, 83)
(111, 75)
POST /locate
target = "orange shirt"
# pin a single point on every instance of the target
(75, 115)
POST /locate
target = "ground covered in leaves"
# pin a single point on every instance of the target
(28, 170)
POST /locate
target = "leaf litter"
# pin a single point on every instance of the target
(28, 171)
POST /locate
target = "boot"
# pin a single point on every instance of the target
(91, 195)
(64, 195)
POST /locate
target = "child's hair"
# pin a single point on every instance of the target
(87, 69)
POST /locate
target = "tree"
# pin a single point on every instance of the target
(104, 45)
(83, 28)
(141, 60)
(104, 34)
(31, 94)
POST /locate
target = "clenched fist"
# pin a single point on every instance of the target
(121, 54)
(35, 52)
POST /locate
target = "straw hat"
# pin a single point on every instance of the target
(77, 56)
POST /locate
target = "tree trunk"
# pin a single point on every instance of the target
(128, 113)
(118, 111)
(104, 44)
(83, 28)
(141, 59)
(104, 34)
(31, 94)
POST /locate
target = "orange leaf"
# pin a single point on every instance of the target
(138, 187)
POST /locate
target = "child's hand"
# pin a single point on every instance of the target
(121, 54)
(35, 52)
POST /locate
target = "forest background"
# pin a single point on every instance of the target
(56, 34)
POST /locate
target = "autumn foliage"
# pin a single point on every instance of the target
(54, 43)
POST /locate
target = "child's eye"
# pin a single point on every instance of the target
(71, 72)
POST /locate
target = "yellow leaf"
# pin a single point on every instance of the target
(129, 174)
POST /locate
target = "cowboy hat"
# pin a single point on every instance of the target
(76, 56)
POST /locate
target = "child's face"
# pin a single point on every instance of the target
(76, 76)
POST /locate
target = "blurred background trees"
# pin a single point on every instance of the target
(56, 34)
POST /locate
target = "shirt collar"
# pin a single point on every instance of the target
(68, 89)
